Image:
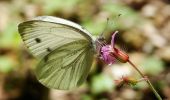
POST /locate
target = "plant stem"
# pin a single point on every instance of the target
(147, 81)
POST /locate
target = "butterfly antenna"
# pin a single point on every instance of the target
(101, 35)
(116, 18)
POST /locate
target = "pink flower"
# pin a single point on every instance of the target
(109, 52)
(106, 54)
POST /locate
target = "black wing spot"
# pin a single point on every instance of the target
(38, 40)
(49, 50)
(46, 58)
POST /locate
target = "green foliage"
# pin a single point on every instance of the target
(10, 37)
(152, 65)
(86, 97)
(128, 17)
(91, 26)
(52, 6)
(101, 83)
(6, 64)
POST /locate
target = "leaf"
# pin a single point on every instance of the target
(152, 65)
(57, 5)
(128, 19)
(10, 36)
(101, 83)
(91, 26)
(6, 64)
(86, 97)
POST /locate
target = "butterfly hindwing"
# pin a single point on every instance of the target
(65, 68)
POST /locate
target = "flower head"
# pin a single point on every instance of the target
(125, 80)
(109, 52)
(106, 54)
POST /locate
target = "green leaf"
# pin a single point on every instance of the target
(128, 19)
(6, 64)
(102, 83)
(91, 26)
(86, 97)
(152, 65)
(58, 5)
(10, 36)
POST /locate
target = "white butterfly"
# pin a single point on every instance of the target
(65, 48)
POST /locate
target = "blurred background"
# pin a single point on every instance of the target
(144, 33)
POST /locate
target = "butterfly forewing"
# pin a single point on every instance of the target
(66, 50)
(42, 37)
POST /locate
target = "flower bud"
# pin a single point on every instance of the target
(120, 55)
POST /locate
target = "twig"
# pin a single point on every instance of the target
(147, 81)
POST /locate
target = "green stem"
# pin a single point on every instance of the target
(147, 81)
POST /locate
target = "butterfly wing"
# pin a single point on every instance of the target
(66, 68)
(65, 49)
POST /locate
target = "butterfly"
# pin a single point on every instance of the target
(65, 49)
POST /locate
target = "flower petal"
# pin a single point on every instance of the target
(113, 39)
(106, 54)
